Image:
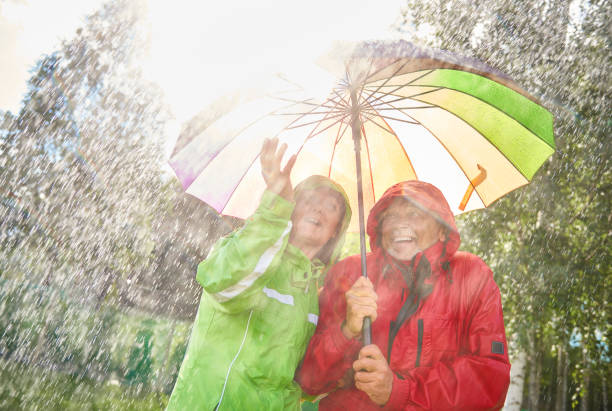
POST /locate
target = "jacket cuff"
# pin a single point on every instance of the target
(343, 344)
(276, 204)
(399, 394)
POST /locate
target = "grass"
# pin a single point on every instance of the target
(33, 388)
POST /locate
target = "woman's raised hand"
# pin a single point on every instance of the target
(277, 180)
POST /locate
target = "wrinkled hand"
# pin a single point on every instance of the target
(278, 181)
(360, 303)
(373, 375)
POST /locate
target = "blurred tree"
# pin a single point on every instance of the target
(87, 207)
(548, 243)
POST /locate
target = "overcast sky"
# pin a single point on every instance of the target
(199, 48)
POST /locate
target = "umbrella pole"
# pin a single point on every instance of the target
(356, 129)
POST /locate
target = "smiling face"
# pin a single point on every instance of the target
(316, 219)
(406, 230)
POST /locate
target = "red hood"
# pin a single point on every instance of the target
(423, 195)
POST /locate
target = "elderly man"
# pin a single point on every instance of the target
(259, 305)
(438, 331)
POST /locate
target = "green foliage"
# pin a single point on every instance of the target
(352, 245)
(549, 243)
(95, 238)
(15, 337)
(94, 351)
(139, 363)
(175, 364)
(29, 388)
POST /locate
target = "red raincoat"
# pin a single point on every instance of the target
(450, 354)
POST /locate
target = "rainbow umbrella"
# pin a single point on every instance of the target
(395, 112)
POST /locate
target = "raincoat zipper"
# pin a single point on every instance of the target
(232, 363)
(420, 342)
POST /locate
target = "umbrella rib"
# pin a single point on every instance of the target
(399, 119)
(366, 77)
(374, 110)
(291, 127)
(311, 135)
(230, 140)
(389, 129)
(382, 68)
(387, 79)
(338, 134)
(411, 81)
(400, 98)
(397, 108)
(381, 102)
(309, 113)
(416, 78)
(288, 127)
(383, 127)
(377, 90)
(342, 102)
(428, 91)
(306, 102)
(385, 93)
(324, 104)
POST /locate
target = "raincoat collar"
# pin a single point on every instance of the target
(308, 271)
(435, 256)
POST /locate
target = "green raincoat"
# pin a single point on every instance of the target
(257, 313)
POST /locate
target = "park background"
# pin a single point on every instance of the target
(99, 245)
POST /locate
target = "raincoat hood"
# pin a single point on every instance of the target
(424, 196)
(330, 252)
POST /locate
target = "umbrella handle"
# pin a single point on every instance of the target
(367, 331)
(475, 182)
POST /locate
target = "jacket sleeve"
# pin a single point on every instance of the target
(330, 354)
(240, 264)
(478, 378)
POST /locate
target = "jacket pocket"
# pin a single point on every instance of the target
(439, 341)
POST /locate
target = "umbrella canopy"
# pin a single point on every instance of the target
(420, 114)
(397, 112)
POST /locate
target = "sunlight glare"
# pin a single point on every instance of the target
(203, 50)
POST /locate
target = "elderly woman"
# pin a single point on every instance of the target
(259, 306)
